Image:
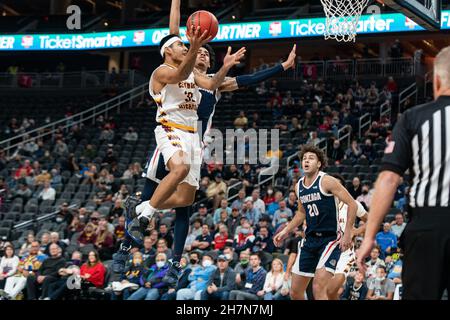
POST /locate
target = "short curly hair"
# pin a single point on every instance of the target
(317, 151)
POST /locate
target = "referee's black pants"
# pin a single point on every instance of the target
(426, 263)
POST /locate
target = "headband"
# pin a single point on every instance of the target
(169, 43)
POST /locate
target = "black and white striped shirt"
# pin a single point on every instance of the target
(421, 142)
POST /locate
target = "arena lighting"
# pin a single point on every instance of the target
(249, 31)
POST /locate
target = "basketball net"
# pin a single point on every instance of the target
(342, 18)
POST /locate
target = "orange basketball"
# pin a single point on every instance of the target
(204, 20)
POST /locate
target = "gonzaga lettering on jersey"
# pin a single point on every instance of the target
(321, 208)
(177, 103)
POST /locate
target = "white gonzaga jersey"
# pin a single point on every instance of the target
(343, 208)
(177, 103)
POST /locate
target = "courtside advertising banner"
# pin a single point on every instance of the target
(314, 27)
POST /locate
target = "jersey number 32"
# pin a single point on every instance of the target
(313, 210)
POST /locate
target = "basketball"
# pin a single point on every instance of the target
(204, 20)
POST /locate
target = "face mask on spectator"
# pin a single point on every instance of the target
(364, 192)
(193, 261)
(244, 262)
(59, 219)
(245, 231)
(381, 278)
(269, 192)
(207, 263)
(160, 264)
(76, 262)
(228, 256)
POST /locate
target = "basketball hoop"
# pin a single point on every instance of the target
(342, 18)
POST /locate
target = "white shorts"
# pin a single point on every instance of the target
(346, 262)
(169, 141)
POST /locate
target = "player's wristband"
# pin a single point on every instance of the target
(254, 78)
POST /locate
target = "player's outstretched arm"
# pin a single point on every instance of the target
(171, 76)
(214, 82)
(332, 185)
(232, 84)
(385, 188)
(174, 22)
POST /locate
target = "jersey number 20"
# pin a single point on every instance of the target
(313, 210)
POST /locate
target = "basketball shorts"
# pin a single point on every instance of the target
(316, 253)
(346, 262)
(169, 141)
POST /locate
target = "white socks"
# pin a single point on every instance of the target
(145, 210)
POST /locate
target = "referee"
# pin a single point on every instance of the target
(421, 143)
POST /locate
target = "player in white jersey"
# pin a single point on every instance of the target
(347, 260)
(174, 87)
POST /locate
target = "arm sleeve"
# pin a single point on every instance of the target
(257, 77)
(398, 153)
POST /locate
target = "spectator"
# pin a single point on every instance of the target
(76, 226)
(153, 284)
(252, 214)
(183, 282)
(253, 284)
(292, 202)
(368, 151)
(269, 197)
(386, 240)
(89, 152)
(48, 193)
(147, 251)
(165, 234)
(45, 240)
(104, 241)
(336, 154)
(131, 135)
(23, 192)
(373, 263)
(381, 288)
(223, 206)
(58, 288)
(398, 225)
(244, 239)
(264, 241)
(161, 247)
(128, 174)
(203, 215)
(221, 282)
(274, 281)
(356, 188)
(217, 190)
(25, 248)
(391, 85)
(233, 221)
(93, 271)
(203, 241)
(275, 205)
(54, 239)
(61, 148)
(133, 274)
(353, 152)
(109, 158)
(355, 290)
(24, 169)
(366, 196)
(65, 214)
(88, 236)
(222, 238)
(198, 280)
(107, 134)
(195, 231)
(258, 204)
(29, 265)
(47, 273)
(241, 121)
(282, 215)
(239, 202)
(8, 265)
(117, 211)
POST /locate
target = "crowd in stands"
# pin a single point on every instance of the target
(229, 252)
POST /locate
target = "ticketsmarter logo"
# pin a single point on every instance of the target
(139, 37)
(275, 28)
(27, 41)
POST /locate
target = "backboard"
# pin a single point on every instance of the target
(426, 13)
